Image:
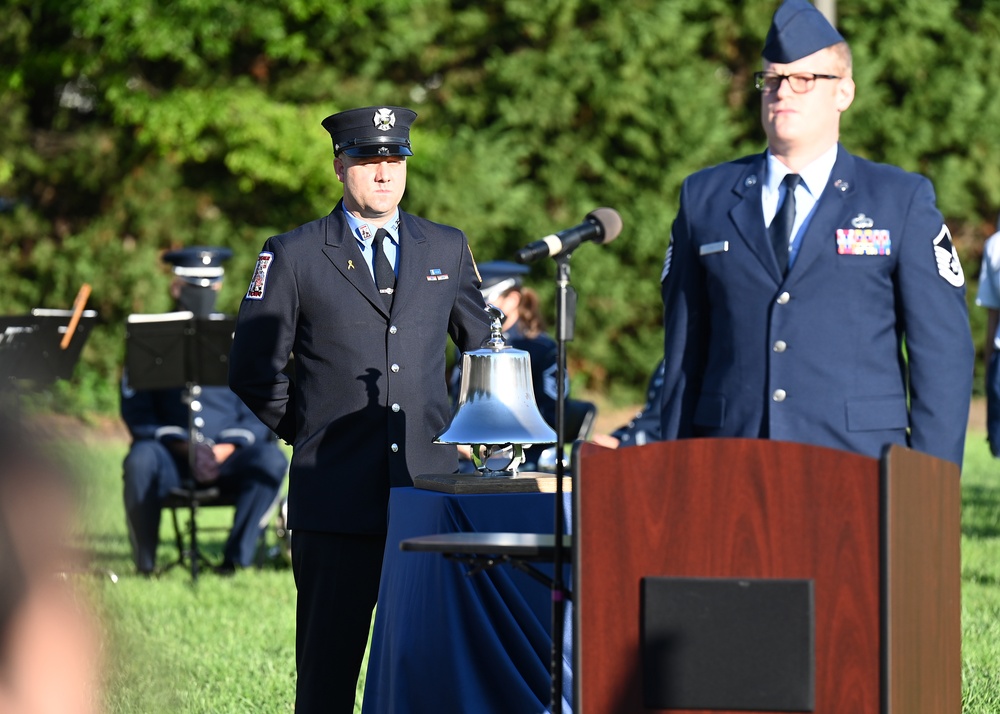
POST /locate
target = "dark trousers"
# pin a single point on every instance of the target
(254, 473)
(337, 578)
(993, 403)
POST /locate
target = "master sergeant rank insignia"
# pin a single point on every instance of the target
(946, 256)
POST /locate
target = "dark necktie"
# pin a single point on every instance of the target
(781, 226)
(385, 276)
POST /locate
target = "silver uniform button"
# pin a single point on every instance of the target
(394, 368)
(779, 346)
(393, 330)
(783, 298)
(395, 407)
(394, 447)
(779, 395)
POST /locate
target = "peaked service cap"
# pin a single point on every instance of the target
(371, 131)
(198, 263)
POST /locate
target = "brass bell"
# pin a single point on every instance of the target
(496, 412)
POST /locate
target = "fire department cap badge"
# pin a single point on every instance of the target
(384, 119)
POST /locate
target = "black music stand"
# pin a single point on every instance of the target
(31, 352)
(177, 349)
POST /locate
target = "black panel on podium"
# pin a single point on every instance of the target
(728, 643)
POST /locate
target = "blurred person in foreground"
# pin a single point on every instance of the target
(523, 329)
(239, 454)
(811, 295)
(364, 298)
(989, 297)
(50, 645)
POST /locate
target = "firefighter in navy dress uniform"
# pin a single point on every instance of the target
(240, 454)
(364, 299)
(794, 278)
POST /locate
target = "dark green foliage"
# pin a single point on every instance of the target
(136, 126)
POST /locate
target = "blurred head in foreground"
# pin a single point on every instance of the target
(49, 642)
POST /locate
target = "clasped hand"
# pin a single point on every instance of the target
(208, 459)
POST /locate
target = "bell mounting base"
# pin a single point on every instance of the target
(523, 482)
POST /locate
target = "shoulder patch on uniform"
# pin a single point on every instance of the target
(259, 279)
(666, 260)
(946, 256)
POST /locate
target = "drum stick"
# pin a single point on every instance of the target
(78, 305)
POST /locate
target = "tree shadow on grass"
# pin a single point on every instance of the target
(980, 512)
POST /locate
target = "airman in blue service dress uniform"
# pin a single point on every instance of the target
(240, 454)
(814, 353)
(369, 390)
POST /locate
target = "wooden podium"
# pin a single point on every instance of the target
(863, 555)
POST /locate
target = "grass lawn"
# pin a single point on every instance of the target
(228, 644)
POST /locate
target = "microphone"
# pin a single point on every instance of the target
(602, 225)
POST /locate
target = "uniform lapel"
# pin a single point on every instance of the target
(832, 212)
(343, 251)
(748, 215)
(412, 243)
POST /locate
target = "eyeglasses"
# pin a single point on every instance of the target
(768, 82)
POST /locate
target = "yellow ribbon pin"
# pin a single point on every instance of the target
(350, 265)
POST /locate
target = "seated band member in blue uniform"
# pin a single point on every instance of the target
(811, 295)
(240, 454)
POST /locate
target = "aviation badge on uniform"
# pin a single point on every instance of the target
(946, 256)
(259, 279)
(862, 221)
(384, 119)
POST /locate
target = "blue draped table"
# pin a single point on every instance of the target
(446, 641)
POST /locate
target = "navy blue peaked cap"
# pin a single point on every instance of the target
(198, 263)
(371, 131)
(797, 30)
(499, 276)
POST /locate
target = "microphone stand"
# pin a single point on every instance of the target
(565, 320)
